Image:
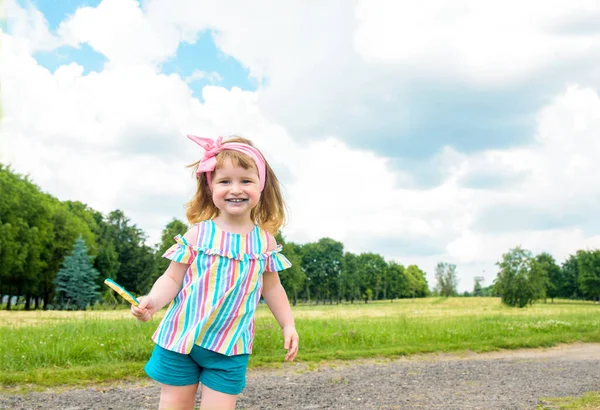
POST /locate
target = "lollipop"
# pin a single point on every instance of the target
(121, 291)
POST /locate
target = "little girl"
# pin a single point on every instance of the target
(218, 271)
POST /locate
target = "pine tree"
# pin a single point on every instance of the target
(76, 280)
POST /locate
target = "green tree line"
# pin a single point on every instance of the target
(37, 232)
(48, 246)
(524, 278)
(322, 272)
(50, 250)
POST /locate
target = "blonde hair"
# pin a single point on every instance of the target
(269, 214)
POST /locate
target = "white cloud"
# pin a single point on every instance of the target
(559, 178)
(122, 32)
(29, 26)
(355, 66)
(490, 41)
(360, 65)
(562, 162)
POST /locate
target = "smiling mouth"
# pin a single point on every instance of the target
(236, 200)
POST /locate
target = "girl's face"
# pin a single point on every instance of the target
(235, 190)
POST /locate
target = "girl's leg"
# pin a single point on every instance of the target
(177, 397)
(215, 400)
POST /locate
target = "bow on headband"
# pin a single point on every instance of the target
(212, 147)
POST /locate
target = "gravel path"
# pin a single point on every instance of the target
(502, 380)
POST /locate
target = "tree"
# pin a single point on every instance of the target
(588, 263)
(351, 277)
(447, 281)
(489, 291)
(322, 263)
(372, 268)
(106, 259)
(314, 275)
(136, 259)
(551, 274)
(397, 281)
(76, 280)
(60, 239)
(477, 289)
(173, 228)
(570, 279)
(292, 279)
(26, 229)
(417, 282)
(519, 281)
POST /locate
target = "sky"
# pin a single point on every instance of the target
(426, 131)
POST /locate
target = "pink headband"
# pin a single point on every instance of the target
(211, 147)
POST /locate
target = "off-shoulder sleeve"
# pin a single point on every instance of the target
(181, 251)
(276, 261)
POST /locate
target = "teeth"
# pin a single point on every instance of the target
(236, 200)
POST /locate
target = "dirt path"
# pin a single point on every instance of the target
(501, 380)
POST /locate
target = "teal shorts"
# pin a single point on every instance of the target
(225, 374)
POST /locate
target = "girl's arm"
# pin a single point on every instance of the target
(274, 294)
(278, 303)
(166, 287)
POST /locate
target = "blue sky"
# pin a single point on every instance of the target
(199, 55)
(414, 131)
(55, 11)
(203, 55)
(84, 55)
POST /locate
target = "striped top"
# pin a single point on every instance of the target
(221, 289)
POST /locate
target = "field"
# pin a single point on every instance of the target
(47, 349)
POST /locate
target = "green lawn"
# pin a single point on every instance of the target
(589, 401)
(42, 349)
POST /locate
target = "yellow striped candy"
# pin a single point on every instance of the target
(121, 291)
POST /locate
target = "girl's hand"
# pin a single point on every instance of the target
(144, 311)
(290, 337)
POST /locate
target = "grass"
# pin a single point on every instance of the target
(589, 401)
(47, 349)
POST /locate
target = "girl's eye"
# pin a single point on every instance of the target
(247, 181)
(224, 181)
